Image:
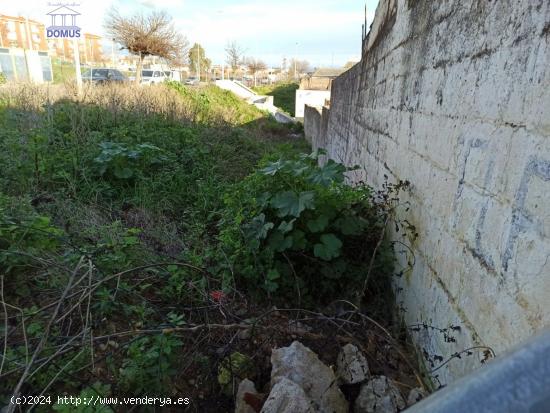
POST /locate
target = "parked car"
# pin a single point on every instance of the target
(149, 77)
(102, 76)
(192, 81)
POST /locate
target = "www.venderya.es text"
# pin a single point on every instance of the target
(101, 401)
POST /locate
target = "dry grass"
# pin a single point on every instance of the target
(158, 99)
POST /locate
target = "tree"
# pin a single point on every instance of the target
(296, 67)
(255, 66)
(198, 60)
(151, 35)
(234, 55)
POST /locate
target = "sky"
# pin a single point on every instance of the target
(324, 32)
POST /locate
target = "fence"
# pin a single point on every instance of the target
(21, 65)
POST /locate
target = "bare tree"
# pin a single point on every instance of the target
(255, 66)
(150, 35)
(298, 66)
(234, 55)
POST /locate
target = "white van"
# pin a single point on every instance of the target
(149, 77)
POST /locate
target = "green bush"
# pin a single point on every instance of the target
(149, 365)
(295, 228)
(23, 234)
(2, 78)
(124, 162)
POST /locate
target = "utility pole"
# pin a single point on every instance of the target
(113, 53)
(29, 33)
(295, 54)
(29, 42)
(77, 66)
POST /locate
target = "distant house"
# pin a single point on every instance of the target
(315, 89)
(321, 79)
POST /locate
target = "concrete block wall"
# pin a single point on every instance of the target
(454, 96)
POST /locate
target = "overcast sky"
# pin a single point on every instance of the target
(328, 32)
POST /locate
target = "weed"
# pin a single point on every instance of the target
(149, 364)
(132, 214)
(123, 178)
(297, 231)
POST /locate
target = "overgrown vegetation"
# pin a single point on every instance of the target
(284, 95)
(297, 231)
(136, 221)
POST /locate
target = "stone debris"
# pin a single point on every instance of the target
(241, 406)
(415, 395)
(379, 395)
(302, 366)
(351, 366)
(287, 397)
(301, 383)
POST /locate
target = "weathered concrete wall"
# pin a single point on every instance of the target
(312, 129)
(311, 98)
(454, 96)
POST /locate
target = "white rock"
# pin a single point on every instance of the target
(379, 395)
(352, 366)
(301, 365)
(241, 406)
(415, 395)
(287, 397)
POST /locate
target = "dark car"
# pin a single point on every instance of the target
(102, 76)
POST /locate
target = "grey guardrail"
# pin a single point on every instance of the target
(516, 382)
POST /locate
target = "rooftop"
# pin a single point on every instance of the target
(328, 72)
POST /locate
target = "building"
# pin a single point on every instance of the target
(321, 79)
(89, 45)
(315, 89)
(23, 33)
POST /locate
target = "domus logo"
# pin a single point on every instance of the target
(63, 22)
